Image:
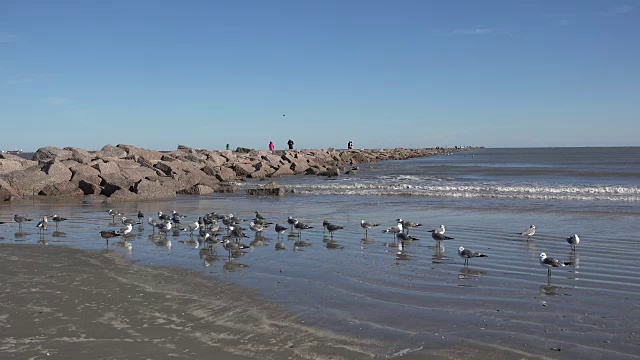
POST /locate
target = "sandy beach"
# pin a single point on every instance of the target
(60, 302)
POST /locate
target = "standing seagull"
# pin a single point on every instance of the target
(437, 236)
(467, 254)
(529, 232)
(108, 234)
(331, 228)
(366, 226)
(409, 224)
(301, 226)
(58, 219)
(20, 219)
(551, 262)
(280, 230)
(439, 230)
(292, 221)
(42, 225)
(114, 214)
(573, 240)
(395, 230)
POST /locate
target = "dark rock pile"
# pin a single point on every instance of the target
(128, 173)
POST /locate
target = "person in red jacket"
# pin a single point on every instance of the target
(271, 146)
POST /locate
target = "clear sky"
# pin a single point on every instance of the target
(421, 73)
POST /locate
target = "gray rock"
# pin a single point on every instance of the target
(57, 172)
(61, 189)
(198, 190)
(110, 151)
(51, 152)
(148, 190)
(89, 188)
(106, 167)
(10, 165)
(79, 155)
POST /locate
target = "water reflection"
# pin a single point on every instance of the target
(549, 290)
(467, 272)
(232, 266)
(332, 244)
(59, 234)
(438, 256)
(20, 235)
(402, 254)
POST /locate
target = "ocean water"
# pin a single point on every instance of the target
(426, 298)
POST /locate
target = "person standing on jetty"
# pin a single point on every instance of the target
(271, 146)
(290, 143)
(350, 145)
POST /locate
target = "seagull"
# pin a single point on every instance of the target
(439, 236)
(331, 228)
(325, 223)
(467, 254)
(258, 216)
(529, 232)
(406, 237)
(366, 226)
(409, 224)
(108, 234)
(58, 219)
(551, 262)
(20, 219)
(114, 214)
(439, 230)
(394, 229)
(126, 221)
(191, 228)
(257, 227)
(292, 221)
(126, 230)
(280, 230)
(573, 240)
(163, 217)
(301, 226)
(42, 225)
(164, 227)
(153, 222)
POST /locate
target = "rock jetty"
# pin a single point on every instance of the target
(129, 173)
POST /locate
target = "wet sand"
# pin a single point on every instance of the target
(60, 302)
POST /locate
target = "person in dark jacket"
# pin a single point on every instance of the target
(290, 143)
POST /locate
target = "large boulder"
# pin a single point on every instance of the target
(221, 173)
(147, 190)
(27, 182)
(79, 155)
(85, 172)
(197, 190)
(114, 181)
(282, 170)
(137, 153)
(110, 151)
(51, 152)
(89, 188)
(6, 192)
(270, 189)
(299, 165)
(61, 189)
(10, 165)
(106, 167)
(243, 170)
(57, 172)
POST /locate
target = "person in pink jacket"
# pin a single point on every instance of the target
(271, 146)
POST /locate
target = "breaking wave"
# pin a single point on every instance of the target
(607, 193)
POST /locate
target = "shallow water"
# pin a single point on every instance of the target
(589, 309)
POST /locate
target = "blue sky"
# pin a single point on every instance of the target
(155, 74)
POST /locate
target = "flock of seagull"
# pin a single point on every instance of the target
(209, 229)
